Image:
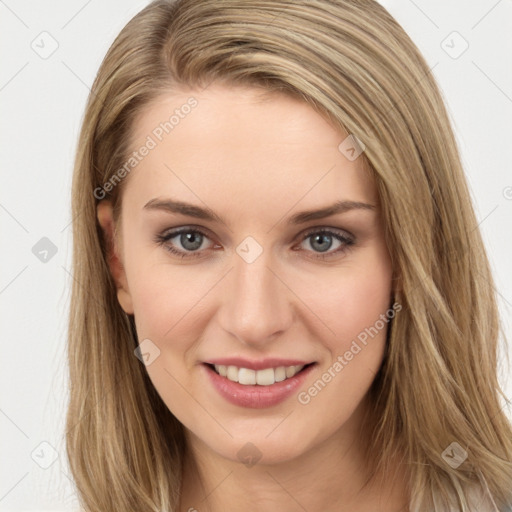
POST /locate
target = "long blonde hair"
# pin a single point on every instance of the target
(353, 63)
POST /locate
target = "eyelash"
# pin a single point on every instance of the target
(163, 238)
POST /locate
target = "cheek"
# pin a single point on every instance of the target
(351, 298)
(357, 309)
(363, 299)
(167, 308)
(164, 294)
(355, 306)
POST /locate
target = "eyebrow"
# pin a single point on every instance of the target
(190, 210)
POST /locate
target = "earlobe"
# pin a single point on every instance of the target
(105, 217)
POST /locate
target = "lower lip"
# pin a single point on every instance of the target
(256, 397)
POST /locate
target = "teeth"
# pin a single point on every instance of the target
(246, 376)
(232, 373)
(265, 377)
(280, 374)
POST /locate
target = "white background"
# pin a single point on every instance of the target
(42, 103)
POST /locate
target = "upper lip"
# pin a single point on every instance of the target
(260, 364)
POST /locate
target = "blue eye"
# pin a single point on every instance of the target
(322, 239)
(191, 240)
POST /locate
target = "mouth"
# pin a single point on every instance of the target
(257, 389)
(263, 377)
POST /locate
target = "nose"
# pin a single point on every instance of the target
(256, 306)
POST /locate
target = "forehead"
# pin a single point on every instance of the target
(243, 143)
(238, 111)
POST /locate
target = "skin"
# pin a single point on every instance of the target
(256, 160)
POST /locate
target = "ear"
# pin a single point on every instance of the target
(105, 215)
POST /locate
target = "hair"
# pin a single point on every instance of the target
(355, 65)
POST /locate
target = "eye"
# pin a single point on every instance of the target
(322, 240)
(191, 240)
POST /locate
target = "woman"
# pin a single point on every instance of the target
(281, 299)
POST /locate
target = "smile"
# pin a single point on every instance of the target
(265, 387)
(265, 377)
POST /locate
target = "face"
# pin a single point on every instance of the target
(224, 263)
